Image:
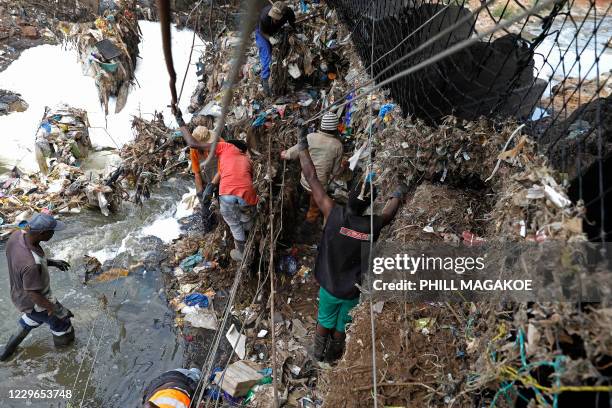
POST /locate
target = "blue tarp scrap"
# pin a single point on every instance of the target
(196, 299)
(347, 116)
(260, 120)
(386, 108)
(46, 126)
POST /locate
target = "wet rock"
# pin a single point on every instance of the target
(11, 102)
(120, 261)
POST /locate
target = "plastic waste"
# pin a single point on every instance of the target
(288, 265)
(188, 263)
(196, 299)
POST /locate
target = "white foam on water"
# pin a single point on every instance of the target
(184, 207)
(166, 229)
(51, 74)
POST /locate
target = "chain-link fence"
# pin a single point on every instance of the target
(546, 63)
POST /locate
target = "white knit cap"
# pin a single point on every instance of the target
(329, 122)
(276, 11)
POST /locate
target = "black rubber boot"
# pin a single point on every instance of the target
(334, 351)
(64, 339)
(13, 342)
(320, 344)
(238, 252)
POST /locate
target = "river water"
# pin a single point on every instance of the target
(121, 347)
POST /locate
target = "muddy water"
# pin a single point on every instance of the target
(131, 341)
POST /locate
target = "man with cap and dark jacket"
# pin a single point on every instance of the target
(338, 265)
(326, 152)
(271, 19)
(31, 294)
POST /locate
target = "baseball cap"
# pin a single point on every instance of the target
(45, 222)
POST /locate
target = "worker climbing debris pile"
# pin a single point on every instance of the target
(108, 48)
(63, 137)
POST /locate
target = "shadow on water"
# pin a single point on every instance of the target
(126, 322)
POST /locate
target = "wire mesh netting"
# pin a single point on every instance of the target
(545, 63)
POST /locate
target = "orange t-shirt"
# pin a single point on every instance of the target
(236, 173)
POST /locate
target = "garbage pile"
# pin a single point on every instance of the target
(62, 137)
(28, 23)
(470, 181)
(155, 153)
(516, 196)
(108, 48)
(466, 354)
(65, 190)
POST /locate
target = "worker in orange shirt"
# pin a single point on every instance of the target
(237, 196)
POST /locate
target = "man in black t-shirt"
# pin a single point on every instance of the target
(271, 19)
(338, 264)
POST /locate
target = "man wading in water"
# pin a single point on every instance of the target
(30, 284)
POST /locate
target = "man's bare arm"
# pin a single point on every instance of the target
(323, 201)
(390, 210)
(392, 206)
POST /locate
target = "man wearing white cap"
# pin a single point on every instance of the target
(31, 294)
(272, 18)
(326, 153)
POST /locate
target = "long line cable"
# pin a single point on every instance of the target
(370, 171)
(260, 284)
(195, 31)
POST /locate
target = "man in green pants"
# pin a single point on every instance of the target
(338, 265)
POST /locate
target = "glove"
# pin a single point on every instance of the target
(62, 312)
(303, 139)
(209, 191)
(400, 191)
(178, 115)
(61, 265)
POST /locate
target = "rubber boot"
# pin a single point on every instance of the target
(13, 342)
(266, 87)
(320, 344)
(334, 351)
(65, 339)
(237, 253)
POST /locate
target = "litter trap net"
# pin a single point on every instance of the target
(544, 63)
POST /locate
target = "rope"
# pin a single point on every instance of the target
(249, 22)
(212, 352)
(370, 171)
(271, 273)
(164, 22)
